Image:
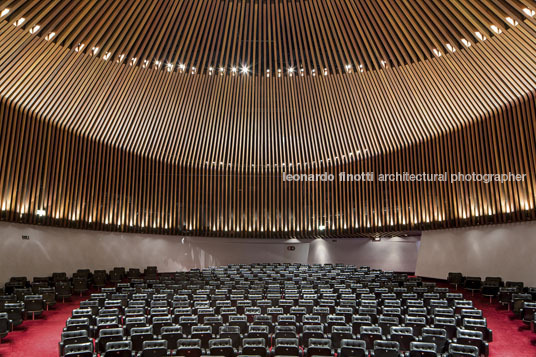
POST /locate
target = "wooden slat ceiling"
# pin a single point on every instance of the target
(264, 36)
(102, 144)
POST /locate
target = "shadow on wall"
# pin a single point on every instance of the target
(65, 250)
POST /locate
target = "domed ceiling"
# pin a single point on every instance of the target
(184, 117)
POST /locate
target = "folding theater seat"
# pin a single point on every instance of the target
(155, 348)
(5, 325)
(417, 323)
(239, 321)
(15, 312)
(369, 334)
(189, 347)
(202, 333)
(339, 333)
(353, 348)
(437, 336)
(119, 349)
(527, 311)
(479, 325)
(133, 322)
(259, 331)
(158, 322)
(446, 323)
(222, 347)
(319, 347)
(232, 333)
(186, 322)
(108, 335)
(386, 322)
(311, 331)
(286, 347)
(386, 349)
(422, 349)
(138, 335)
(403, 335)
(171, 334)
(456, 350)
(358, 321)
(79, 350)
(49, 295)
(472, 338)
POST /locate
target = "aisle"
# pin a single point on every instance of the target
(39, 338)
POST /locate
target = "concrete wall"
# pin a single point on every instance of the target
(508, 251)
(58, 249)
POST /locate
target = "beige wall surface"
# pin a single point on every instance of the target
(65, 250)
(507, 251)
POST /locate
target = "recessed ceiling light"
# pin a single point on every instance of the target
(182, 66)
(169, 67)
(511, 21)
(291, 70)
(4, 12)
(450, 47)
(495, 29)
(50, 36)
(95, 50)
(40, 212)
(325, 71)
(34, 29)
(233, 69)
(321, 227)
(529, 12)
(121, 58)
(383, 63)
(19, 21)
(108, 54)
(244, 69)
(466, 43)
(480, 36)
(437, 53)
(79, 47)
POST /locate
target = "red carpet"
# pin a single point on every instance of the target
(39, 338)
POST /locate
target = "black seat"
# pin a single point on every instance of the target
(358, 321)
(79, 350)
(189, 347)
(339, 333)
(456, 350)
(119, 349)
(202, 333)
(73, 338)
(423, 349)
(5, 325)
(437, 336)
(479, 325)
(417, 323)
(311, 331)
(108, 335)
(490, 289)
(472, 338)
(222, 347)
(233, 333)
(386, 349)
(319, 347)
(369, 334)
(254, 347)
(353, 348)
(171, 334)
(138, 335)
(455, 279)
(34, 304)
(155, 348)
(402, 335)
(446, 323)
(287, 347)
(15, 312)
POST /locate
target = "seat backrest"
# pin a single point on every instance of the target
(79, 349)
(457, 350)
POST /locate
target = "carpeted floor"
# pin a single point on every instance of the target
(39, 338)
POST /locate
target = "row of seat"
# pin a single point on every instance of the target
(219, 308)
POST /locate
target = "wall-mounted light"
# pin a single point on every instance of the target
(40, 212)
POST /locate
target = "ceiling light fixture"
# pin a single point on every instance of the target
(4, 12)
(50, 36)
(437, 53)
(107, 55)
(512, 21)
(244, 69)
(495, 29)
(450, 47)
(480, 36)
(19, 21)
(529, 12)
(95, 50)
(466, 43)
(40, 212)
(34, 29)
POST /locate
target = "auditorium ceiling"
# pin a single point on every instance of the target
(186, 117)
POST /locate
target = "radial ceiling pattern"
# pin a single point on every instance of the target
(90, 141)
(265, 37)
